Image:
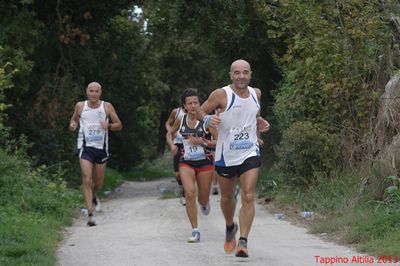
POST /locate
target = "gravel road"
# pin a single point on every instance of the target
(138, 227)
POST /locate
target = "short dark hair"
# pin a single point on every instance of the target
(188, 93)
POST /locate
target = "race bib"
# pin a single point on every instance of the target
(93, 133)
(193, 152)
(239, 138)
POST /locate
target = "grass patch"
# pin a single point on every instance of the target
(112, 179)
(336, 194)
(148, 175)
(34, 206)
(147, 171)
(168, 195)
(346, 211)
(28, 238)
(388, 244)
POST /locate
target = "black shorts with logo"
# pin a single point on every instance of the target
(93, 155)
(237, 170)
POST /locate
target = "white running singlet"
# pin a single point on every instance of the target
(179, 114)
(91, 133)
(237, 132)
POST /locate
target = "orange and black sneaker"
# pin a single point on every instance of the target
(241, 250)
(230, 241)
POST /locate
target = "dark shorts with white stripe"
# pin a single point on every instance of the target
(93, 155)
(237, 170)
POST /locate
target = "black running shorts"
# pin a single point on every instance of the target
(93, 155)
(237, 170)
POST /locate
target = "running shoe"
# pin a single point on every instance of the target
(241, 250)
(215, 190)
(182, 200)
(96, 204)
(230, 241)
(205, 209)
(195, 237)
(91, 220)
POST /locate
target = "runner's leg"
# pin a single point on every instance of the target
(204, 181)
(98, 177)
(228, 204)
(87, 171)
(248, 182)
(188, 177)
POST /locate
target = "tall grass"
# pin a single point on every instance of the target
(33, 209)
(345, 207)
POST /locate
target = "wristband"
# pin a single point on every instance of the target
(207, 120)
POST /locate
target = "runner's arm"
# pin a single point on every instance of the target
(262, 124)
(172, 132)
(171, 119)
(212, 143)
(115, 124)
(214, 102)
(73, 124)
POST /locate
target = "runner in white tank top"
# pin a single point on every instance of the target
(91, 133)
(237, 151)
(237, 131)
(177, 114)
(93, 116)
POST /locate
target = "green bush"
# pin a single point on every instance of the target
(377, 224)
(307, 150)
(33, 208)
(30, 188)
(392, 193)
(334, 194)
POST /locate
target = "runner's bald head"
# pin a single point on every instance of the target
(240, 62)
(94, 84)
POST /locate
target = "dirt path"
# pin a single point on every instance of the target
(137, 227)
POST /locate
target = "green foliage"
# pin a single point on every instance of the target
(51, 44)
(387, 243)
(393, 193)
(333, 49)
(6, 73)
(27, 238)
(305, 151)
(221, 31)
(336, 194)
(343, 209)
(155, 169)
(30, 190)
(112, 180)
(33, 208)
(378, 224)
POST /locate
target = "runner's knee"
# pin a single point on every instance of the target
(247, 198)
(86, 180)
(227, 197)
(190, 196)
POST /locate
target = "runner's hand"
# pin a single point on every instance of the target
(215, 120)
(262, 125)
(174, 149)
(72, 126)
(104, 124)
